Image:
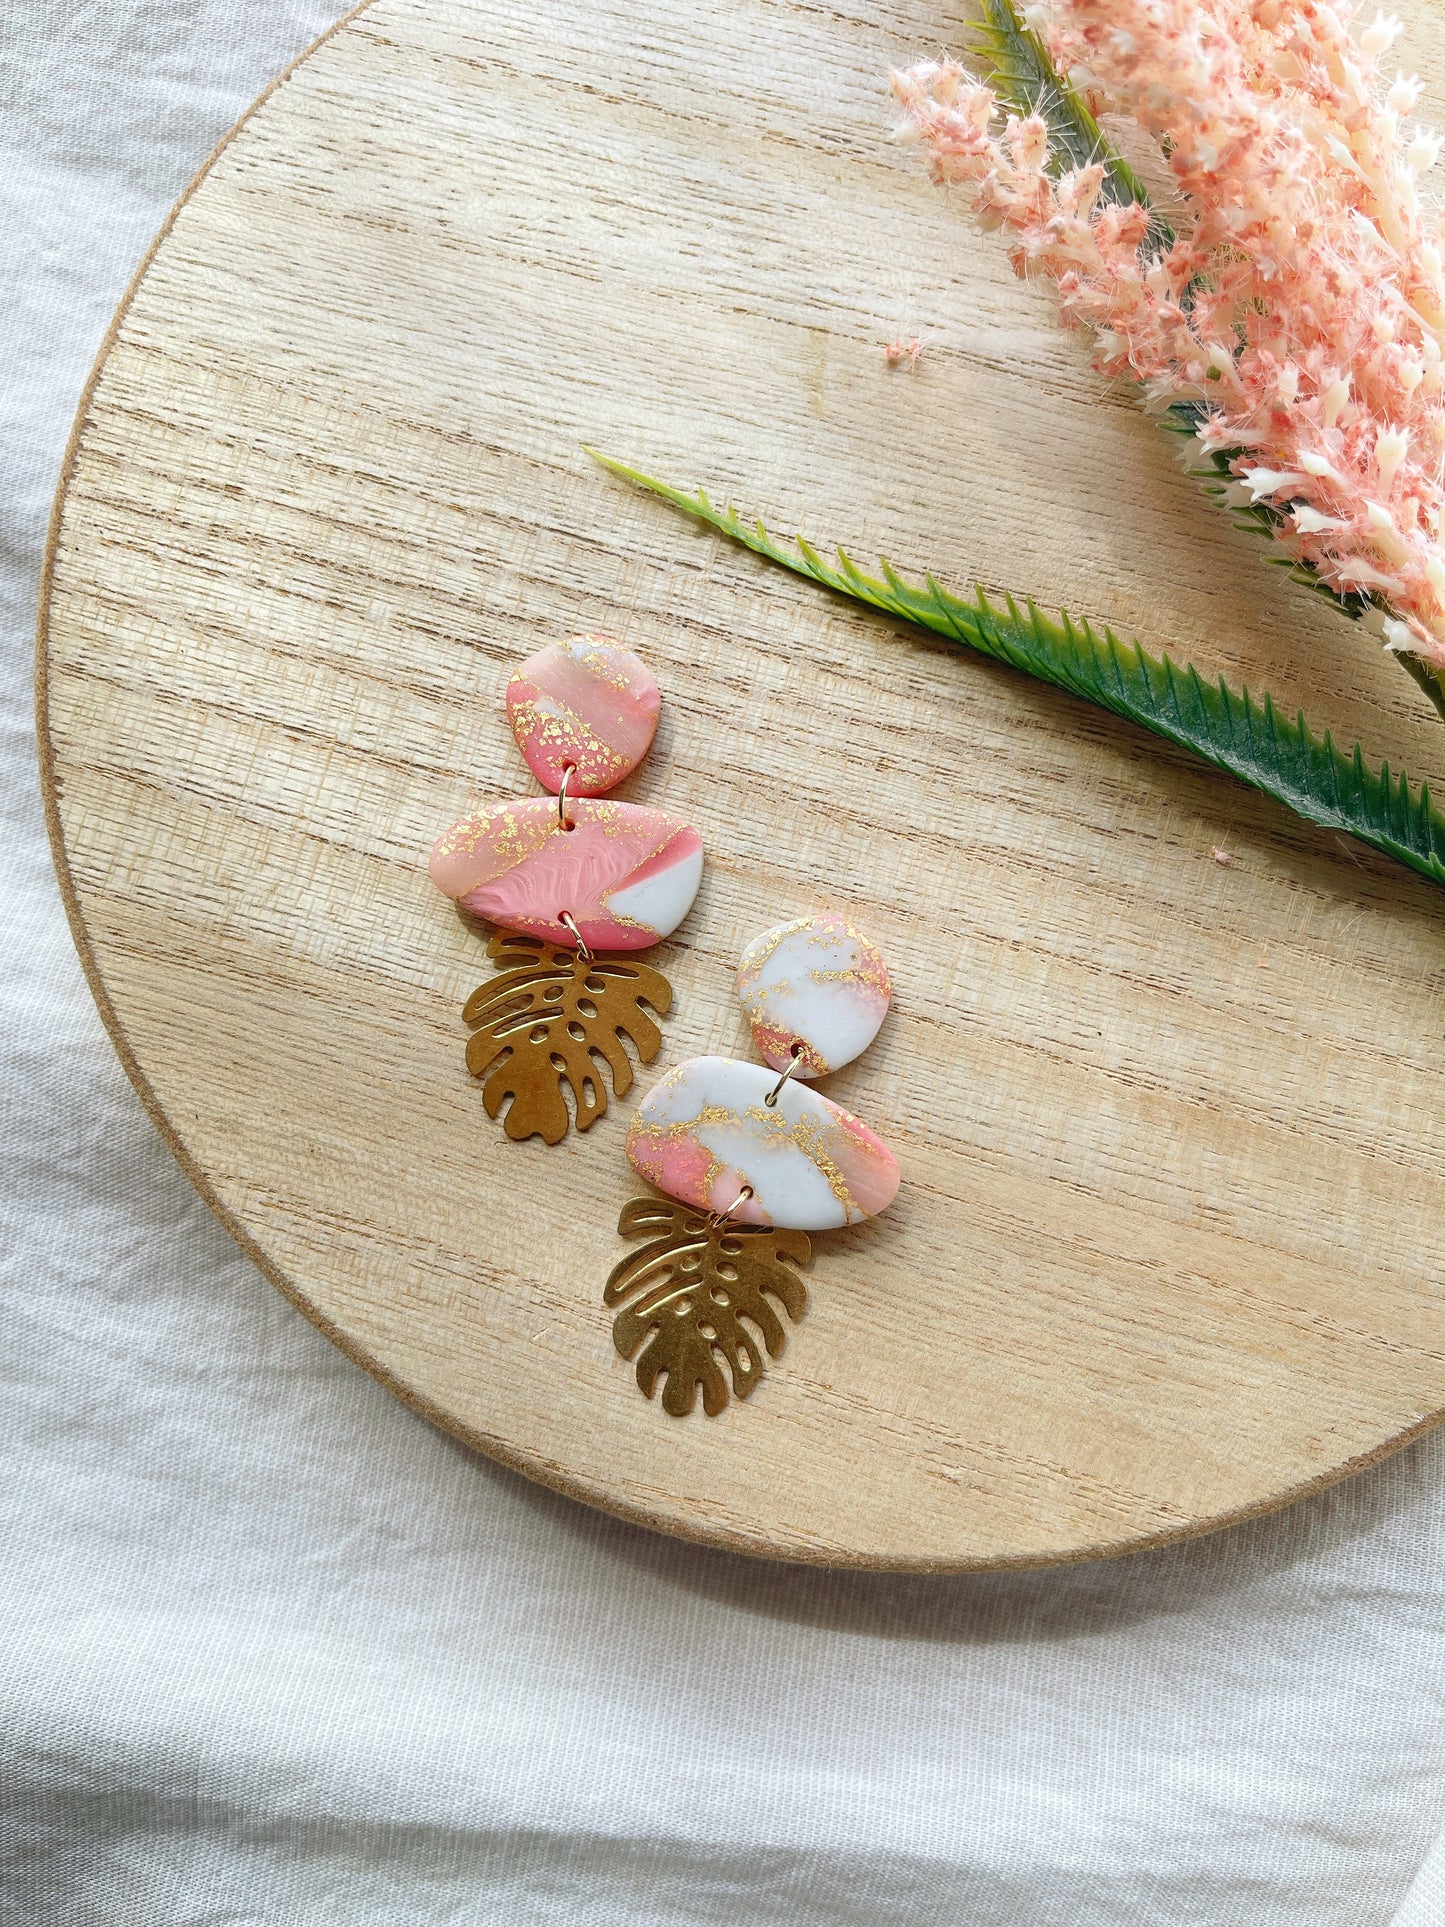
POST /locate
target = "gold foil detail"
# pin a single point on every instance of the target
(598, 655)
(568, 734)
(549, 1024)
(814, 1136)
(698, 1280)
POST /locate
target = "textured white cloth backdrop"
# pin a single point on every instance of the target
(274, 1651)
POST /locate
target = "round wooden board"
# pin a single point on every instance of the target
(1167, 1251)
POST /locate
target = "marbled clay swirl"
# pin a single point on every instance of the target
(706, 1130)
(626, 873)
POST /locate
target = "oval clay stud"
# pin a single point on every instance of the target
(706, 1133)
(624, 873)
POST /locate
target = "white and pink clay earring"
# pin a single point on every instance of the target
(570, 881)
(750, 1161)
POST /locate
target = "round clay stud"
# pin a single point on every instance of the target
(816, 987)
(588, 705)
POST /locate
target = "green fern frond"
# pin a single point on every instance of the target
(1228, 727)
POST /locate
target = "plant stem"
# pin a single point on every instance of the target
(1023, 76)
(1233, 729)
(1428, 679)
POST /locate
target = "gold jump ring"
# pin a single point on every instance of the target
(562, 797)
(797, 1057)
(565, 916)
(721, 1217)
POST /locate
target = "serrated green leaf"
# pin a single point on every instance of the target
(1227, 727)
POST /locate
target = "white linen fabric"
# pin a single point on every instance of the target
(275, 1651)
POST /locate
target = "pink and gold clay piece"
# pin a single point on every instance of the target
(706, 1132)
(588, 705)
(625, 873)
(815, 986)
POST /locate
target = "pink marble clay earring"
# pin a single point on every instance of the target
(568, 880)
(751, 1160)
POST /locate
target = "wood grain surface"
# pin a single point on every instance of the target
(1168, 1249)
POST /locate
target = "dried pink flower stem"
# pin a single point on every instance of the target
(1299, 316)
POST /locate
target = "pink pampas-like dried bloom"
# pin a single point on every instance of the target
(903, 353)
(1297, 321)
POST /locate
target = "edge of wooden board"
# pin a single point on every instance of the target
(540, 1471)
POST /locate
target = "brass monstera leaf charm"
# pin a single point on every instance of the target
(549, 1023)
(698, 1280)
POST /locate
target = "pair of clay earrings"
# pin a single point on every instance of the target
(750, 1159)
